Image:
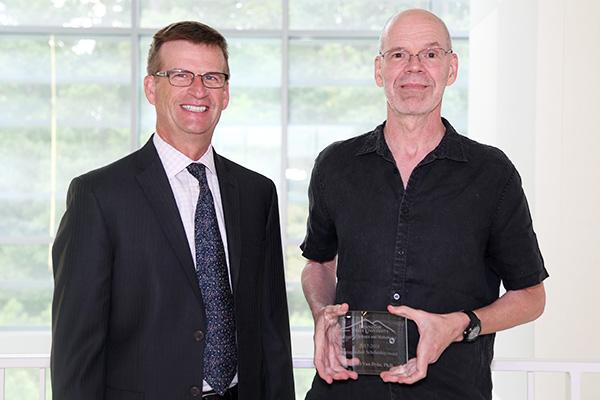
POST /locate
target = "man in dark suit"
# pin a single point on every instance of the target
(168, 265)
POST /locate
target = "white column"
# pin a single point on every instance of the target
(502, 95)
(567, 185)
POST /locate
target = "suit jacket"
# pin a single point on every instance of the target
(127, 314)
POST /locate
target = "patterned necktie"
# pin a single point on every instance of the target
(220, 354)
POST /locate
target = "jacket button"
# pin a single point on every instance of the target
(198, 336)
(195, 391)
(396, 296)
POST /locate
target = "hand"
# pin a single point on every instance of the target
(329, 361)
(436, 331)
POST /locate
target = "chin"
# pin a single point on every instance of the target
(412, 111)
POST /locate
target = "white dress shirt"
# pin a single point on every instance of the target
(186, 190)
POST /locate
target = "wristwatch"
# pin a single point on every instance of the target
(472, 330)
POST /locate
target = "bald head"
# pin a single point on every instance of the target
(412, 22)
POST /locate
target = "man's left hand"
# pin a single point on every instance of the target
(436, 331)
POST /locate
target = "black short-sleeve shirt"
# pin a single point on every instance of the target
(461, 227)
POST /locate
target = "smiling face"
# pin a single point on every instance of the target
(187, 115)
(413, 88)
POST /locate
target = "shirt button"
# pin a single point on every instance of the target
(195, 391)
(396, 296)
(198, 336)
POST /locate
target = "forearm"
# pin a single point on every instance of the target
(318, 284)
(514, 308)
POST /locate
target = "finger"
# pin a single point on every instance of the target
(334, 356)
(399, 372)
(343, 360)
(338, 363)
(394, 377)
(403, 311)
(352, 362)
(419, 373)
(322, 364)
(337, 309)
(337, 370)
(345, 375)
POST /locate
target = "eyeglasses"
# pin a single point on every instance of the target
(429, 57)
(183, 78)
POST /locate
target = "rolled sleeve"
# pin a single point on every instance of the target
(513, 247)
(320, 242)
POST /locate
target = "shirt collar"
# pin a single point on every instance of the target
(175, 161)
(375, 142)
(450, 147)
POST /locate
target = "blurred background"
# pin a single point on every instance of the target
(302, 77)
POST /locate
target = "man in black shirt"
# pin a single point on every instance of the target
(420, 221)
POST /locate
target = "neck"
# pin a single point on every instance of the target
(413, 137)
(192, 146)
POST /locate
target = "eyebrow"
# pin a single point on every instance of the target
(427, 46)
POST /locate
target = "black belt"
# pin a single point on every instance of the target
(230, 394)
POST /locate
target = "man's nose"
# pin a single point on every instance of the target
(197, 87)
(414, 63)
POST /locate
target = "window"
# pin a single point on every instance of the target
(70, 90)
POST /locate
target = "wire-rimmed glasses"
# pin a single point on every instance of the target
(430, 57)
(182, 78)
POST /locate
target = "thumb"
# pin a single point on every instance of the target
(403, 311)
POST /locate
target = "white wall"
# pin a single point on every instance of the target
(567, 179)
(534, 92)
(502, 103)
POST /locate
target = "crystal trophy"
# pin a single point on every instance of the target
(373, 341)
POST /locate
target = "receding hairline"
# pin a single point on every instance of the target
(415, 11)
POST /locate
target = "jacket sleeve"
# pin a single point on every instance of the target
(82, 260)
(278, 377)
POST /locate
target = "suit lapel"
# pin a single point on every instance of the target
(155, 184)
(230, 198)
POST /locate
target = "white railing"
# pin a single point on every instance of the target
(37, 361)
(573, 368)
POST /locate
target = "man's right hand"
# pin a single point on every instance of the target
(329, 361)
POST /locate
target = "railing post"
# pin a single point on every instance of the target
(42, 390)
(530, 385)
(575, 383)
(2, 383)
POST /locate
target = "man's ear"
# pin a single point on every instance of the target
(226, 97)
(453, 70)
(150, 89)
(378, 71)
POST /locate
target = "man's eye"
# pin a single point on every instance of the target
(180, 75)
(431, 54)
(210, 77)
(398, 54)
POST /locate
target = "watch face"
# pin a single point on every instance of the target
(473, 333)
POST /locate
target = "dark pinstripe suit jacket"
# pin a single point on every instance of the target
(127, 313)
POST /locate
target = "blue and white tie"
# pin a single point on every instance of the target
(220, 353)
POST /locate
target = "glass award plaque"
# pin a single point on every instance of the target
(373, 341)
